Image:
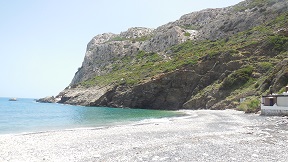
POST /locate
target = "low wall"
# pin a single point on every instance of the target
(274, 110)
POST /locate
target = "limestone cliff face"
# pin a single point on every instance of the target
(104, 49)
(189, 87)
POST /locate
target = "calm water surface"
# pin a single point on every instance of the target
(26, 115)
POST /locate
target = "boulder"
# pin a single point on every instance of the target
(48, 99)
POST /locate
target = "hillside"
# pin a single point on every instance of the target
(205, 60)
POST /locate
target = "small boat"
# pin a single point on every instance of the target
(13, 99)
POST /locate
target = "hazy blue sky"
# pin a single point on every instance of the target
(43, 42)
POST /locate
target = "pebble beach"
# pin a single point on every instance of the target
(201, 135)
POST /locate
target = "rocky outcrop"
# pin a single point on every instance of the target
(283, 32)
(48, 99)
(217, 23)
(172, 90)
(81, 95)
(136, 32)
(189, 87)
(165, 91)
(104, 49)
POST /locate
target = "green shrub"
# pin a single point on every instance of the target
(250, 105)
(253, 4)
(256, 85)
(187, 34)
(265, 66)
(233, 51)
(283, 89)
(148, 56)
(278, 43)
(237, 78)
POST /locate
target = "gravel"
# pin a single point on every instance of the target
(202, 135)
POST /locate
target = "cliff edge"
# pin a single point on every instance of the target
(208, 59)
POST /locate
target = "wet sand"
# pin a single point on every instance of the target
(203, 135)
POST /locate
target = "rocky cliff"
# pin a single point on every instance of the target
(206, 59)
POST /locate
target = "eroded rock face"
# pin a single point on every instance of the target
(81, 95)
(165, 38)
(48, 99)
(178, 89)
(104, 49)
(136, 32)
(173, 90)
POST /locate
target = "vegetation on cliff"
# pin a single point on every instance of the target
(211, 59)
(257, 50)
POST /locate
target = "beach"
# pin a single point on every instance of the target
(201, 135)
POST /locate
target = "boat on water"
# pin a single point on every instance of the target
(13, 99)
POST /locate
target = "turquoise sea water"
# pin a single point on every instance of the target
(26, 115)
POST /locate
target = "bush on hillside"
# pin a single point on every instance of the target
(237, 79)
(278, 43)
(251, 105)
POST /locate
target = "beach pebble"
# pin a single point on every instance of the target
(241, 137)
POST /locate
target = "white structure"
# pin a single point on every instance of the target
(275, 104)
(13, 99)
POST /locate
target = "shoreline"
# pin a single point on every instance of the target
(202, 135)
(29, 117)
(182, 114)
(178, 114)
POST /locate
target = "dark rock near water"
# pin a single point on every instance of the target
(48, 99)
(198, 86)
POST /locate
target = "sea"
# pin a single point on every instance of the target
(28, 116)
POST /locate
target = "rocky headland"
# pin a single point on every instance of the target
(208, 59)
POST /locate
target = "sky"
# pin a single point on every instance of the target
(43, 42)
